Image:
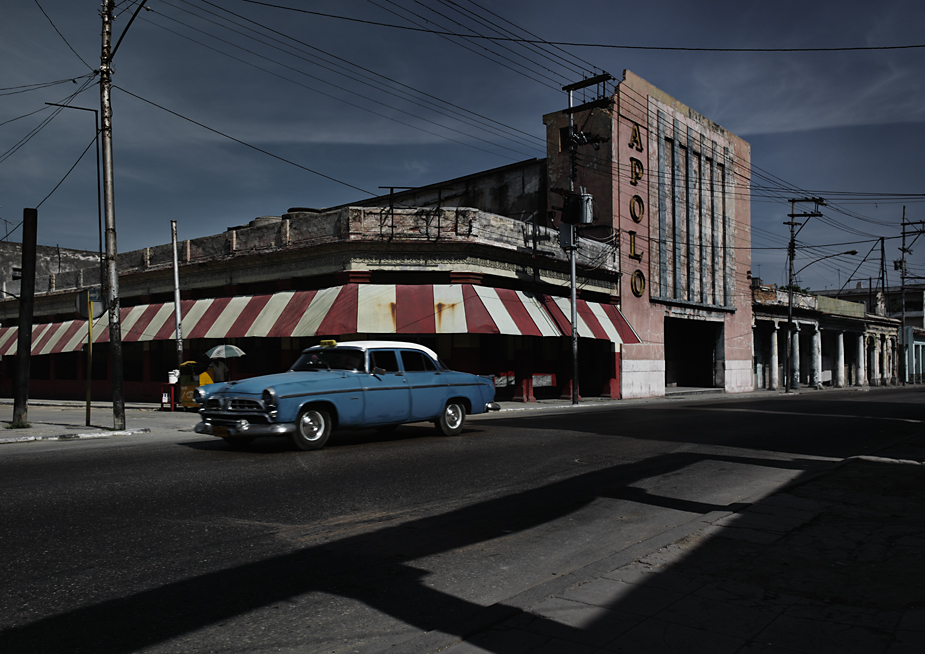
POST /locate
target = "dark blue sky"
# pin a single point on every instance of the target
(821, 123)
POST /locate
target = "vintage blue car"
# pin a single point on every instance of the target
(348, 385)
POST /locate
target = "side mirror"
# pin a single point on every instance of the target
(378, 371)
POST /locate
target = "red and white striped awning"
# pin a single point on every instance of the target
(348, 309)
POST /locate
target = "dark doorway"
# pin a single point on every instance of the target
(693, 348)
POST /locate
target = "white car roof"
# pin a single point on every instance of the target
(373, 345)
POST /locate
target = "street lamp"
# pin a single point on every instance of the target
(99, 201)
(789, 352)
(99, 219)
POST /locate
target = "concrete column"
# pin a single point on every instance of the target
(885, 361)
(840, 360)
(861, 376)
(817, 358)
(874, 354)
(774, 377)
(892, 349)
(914, 367)
(918, 363)
(795, 357)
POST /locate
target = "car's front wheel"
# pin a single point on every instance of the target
(312, 429)
(451, 421)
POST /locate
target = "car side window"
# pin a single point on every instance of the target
(416, 361)
(384, 359)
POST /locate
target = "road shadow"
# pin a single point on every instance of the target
(803, 425)
(831, 565)
(375, 568)
(339, 439)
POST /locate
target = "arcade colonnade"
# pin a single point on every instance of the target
(823, 356)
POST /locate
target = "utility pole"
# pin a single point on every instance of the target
(791, 251)
(902, 299)
(572, 235)
(109, 213)
(30, 219)
(176, 295)
(883, 272)
(572, 253)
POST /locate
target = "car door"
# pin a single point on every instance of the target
(388, 398)
(427, 384)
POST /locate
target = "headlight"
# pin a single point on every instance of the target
(199, 396)
(269, 398)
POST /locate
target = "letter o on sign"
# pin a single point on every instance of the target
(638, 283)
(637, 208)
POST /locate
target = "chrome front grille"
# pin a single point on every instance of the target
(231, 411)
(233, 404)
(238, 404)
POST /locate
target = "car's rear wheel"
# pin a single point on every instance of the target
(452, 419)
(312, 429)
(238, 442)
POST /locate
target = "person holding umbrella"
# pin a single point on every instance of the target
(219, 369)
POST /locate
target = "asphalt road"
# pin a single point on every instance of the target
(170, 541)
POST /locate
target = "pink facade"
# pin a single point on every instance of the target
(673, 189)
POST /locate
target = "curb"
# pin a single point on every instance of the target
(71, 437)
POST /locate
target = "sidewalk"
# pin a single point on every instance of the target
(833, 563)
(68, 422)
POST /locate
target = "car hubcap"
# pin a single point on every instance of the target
(453, 416)
(312, 426)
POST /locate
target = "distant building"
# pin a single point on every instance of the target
(471, 267)
(50, 261)
(888, 302)
(834, 342)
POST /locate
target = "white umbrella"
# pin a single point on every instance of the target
(224, 352)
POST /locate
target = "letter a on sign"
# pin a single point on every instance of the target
(636, 139)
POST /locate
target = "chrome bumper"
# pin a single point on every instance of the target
(492, 406)
(244, 428)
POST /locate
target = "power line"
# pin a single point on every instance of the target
(28, 137)
(62, 35)
(245, 144)
(378, 86)
(68, 172)
(447, 36)
(591, 67)
(334, 97)
(367, 70)
(586, 45)
(13, 90)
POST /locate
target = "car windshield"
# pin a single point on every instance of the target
(330, 360)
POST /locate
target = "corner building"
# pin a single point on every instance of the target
(672, 188)
(470, 267)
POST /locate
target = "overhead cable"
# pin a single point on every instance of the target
(588, 45)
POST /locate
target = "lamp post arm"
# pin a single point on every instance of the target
(129, 24)
(828, 256)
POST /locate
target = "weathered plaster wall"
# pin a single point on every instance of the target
(516, 191)
(51, 263)
(656, 143)
(310, 244)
